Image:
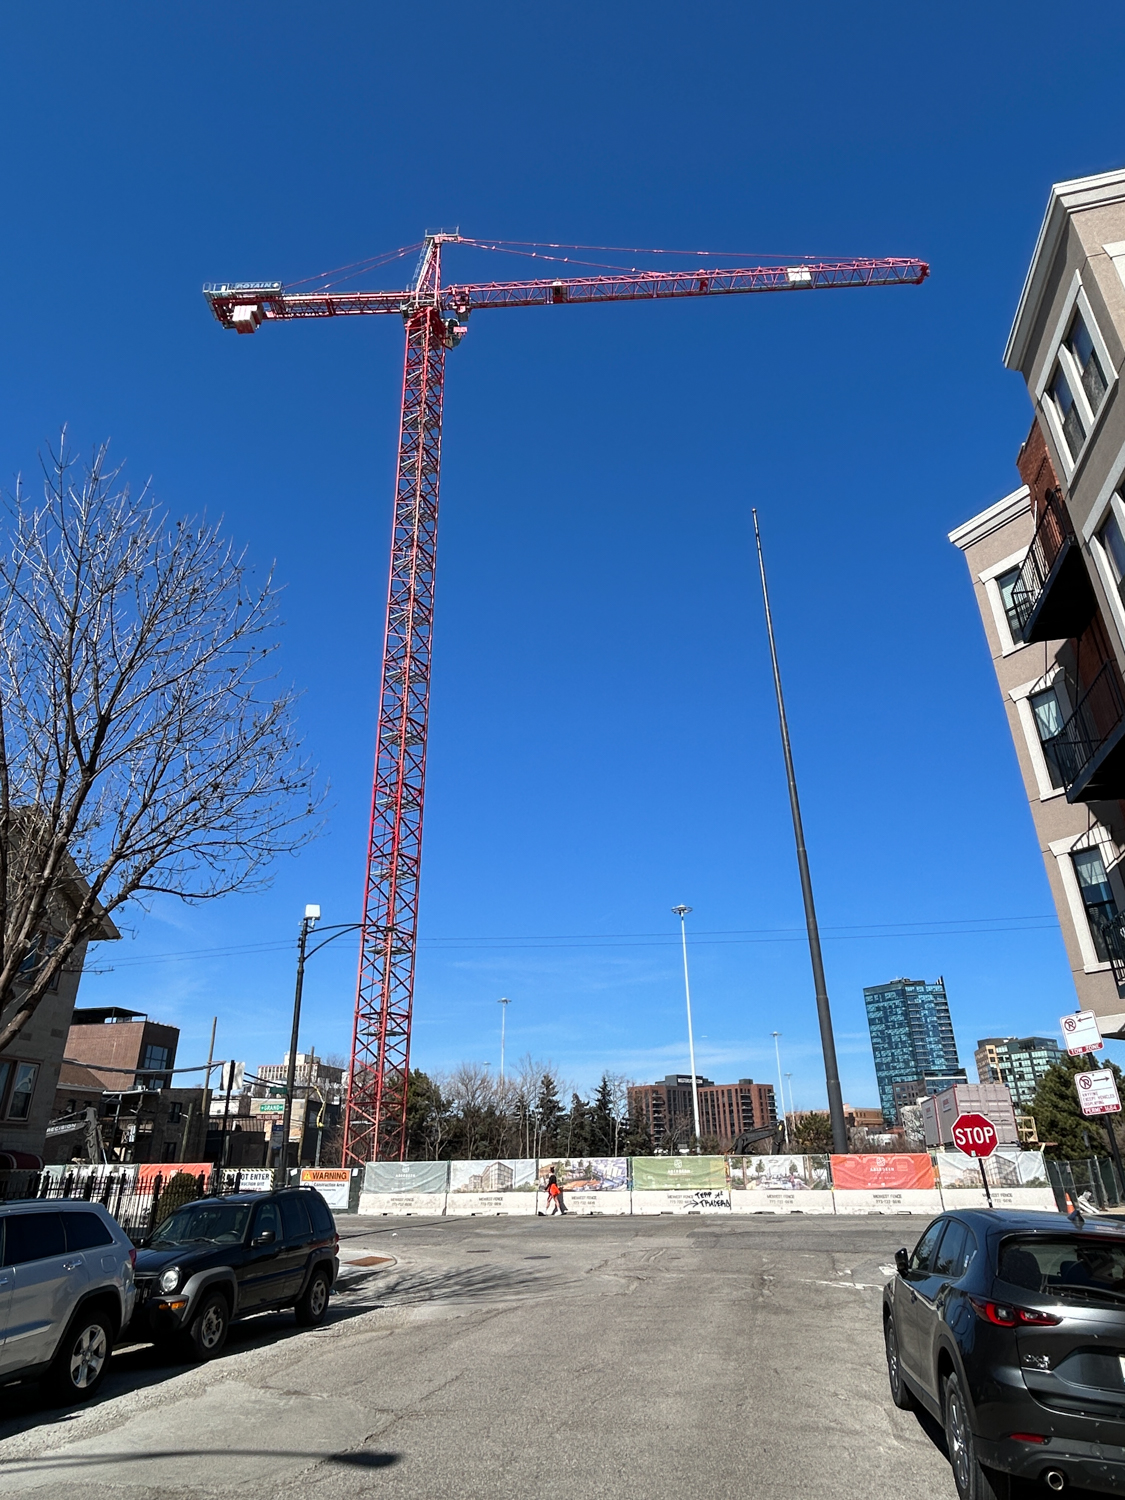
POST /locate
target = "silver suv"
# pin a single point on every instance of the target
(66, 1292)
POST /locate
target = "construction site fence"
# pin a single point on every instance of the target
(139, 1196)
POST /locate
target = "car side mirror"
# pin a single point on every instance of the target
(902, 1262)
(266, 1237)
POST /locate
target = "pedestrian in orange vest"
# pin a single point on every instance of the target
(554, 1193)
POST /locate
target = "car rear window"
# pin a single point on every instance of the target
(36, 1236)
(294, 1219)
(84, 1230)
(1083, 1264)
(323, 1222)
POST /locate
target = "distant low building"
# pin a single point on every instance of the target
(1017, 1062)
(123, 1047)
(726, 1110)
(931, 1082)
(940, 1112)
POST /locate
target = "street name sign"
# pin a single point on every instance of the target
(975, 1135)
(1080, 1033)
(1097, 1093)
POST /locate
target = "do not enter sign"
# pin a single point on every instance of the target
(974, 1134)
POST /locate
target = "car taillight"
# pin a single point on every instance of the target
(133, 1256)
(1028, 1437)
(1008, 1315)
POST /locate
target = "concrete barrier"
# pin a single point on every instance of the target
(681, 1201)
(887, 1201)
(401, 1204)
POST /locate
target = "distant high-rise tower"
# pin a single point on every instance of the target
(911, 1035)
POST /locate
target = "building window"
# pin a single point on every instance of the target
(1066, 409)
(44, 945)
(1097, 898)
(1090, 373)
(23, 1086)
(153, 1060)
(175, 1113)
(1112, 538)
(1049, 718)
(1005, 584)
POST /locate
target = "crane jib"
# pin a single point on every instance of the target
(245, 305)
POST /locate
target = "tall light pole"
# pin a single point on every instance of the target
(503, 1003)
(781, 1086)
(308, 922)
(681, 912)
(792, 1106)
(824, 1011)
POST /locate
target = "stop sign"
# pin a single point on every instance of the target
(975, 1135)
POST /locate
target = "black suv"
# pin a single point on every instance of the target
(223, 1258)
(1009, 1328)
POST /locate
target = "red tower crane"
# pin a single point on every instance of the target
(435, 318)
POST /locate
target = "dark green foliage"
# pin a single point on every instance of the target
(812, 1135)
(1064, 1132)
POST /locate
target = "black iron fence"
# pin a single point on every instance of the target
(137, 1201)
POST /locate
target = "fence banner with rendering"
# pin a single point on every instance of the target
(504, 1185)
(590, 1184)
(781, 1184)
(1016, 1179)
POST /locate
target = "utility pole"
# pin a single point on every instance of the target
(781, 1086)
(824, 1010)
(503, 1017)
(681, 912)
(308, 922)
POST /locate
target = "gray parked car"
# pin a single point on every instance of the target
(66, 1292)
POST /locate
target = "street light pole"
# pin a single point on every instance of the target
(503, 1017)
(824, 1011)
(308, 922)
(681, 912)
(781, 1086)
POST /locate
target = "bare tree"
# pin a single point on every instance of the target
(144, 748)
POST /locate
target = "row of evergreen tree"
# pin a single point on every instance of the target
(471, 1114)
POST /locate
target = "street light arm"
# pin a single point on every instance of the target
(340, 929)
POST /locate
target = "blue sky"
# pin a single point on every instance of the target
(603, 737)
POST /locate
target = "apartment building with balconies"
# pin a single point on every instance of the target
(1048, 567)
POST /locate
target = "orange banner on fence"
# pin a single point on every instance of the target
(149, 1171)
(897, 1171)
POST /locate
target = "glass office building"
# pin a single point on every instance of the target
(911, 1035)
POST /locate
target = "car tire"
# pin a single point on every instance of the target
(901, 1394)
(206, 1334)
(82, 1359)
(312, 1307)
(972, 1480)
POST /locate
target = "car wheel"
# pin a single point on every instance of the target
(83, 1358)
(313, 1306)
(207, 1332)
(973, 1482)
(901, 1394)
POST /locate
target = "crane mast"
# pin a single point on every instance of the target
(434, 318)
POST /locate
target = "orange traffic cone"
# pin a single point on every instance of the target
(1069, 1202)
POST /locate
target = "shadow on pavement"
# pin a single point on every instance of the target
(361, 1459)
(132, 1367)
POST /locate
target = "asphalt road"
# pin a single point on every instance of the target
(525, 1357)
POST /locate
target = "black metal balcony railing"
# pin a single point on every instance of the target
(1053, 598)
(1089, 750)
(1112, 945)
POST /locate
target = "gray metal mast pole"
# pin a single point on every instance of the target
(824, 1012)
